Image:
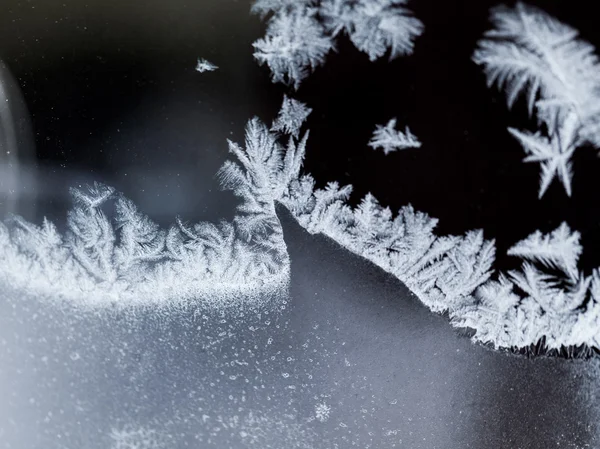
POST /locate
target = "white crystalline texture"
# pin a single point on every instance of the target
(300, 34)
(560, 249)
(530, 306)
(442, 271)
(374, 26)
(532, 54)
(291, 117)
(553, 156)
(322, 411)
(452, 273)
(129, 259)
(294, 45)
(136, 438)
(205, 66)
(389, 139)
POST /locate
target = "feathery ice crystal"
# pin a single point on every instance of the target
(442, 271)
(204, 65)
(291, 117)
(300, 33)
(551, 312)
(389, 139)
(518, 310)
(130, 260)
(533, 54)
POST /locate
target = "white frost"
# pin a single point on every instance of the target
(322, 411)
(529, 306)
(291, 117)
(532, 54)
(204, 65)
(301, 33)
(136, 438)
(389, 139)
(517, 310)
(128, 259)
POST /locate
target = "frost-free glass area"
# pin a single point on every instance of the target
(218, 224)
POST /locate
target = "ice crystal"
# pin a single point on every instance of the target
(205, 66)
(519, 309)
(300, 34)
(294, 45)
(322, 411)
(389, 139)
(529, 307)
(129, 258)
(291, 117)
(136, 438)
(114, 254)
(442, 271)
(532, 54)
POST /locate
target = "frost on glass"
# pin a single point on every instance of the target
(389, 139)
(111, 253)
(291, 117)
(136, 438)
(442, 271)
(301, 33)
(533, 55)
(548, 305)
(204, 65)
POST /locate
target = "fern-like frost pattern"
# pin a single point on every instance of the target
(531, 54)
(203, 65)
(546, 304)
(389, 139)
(301, 33)
(129, 258)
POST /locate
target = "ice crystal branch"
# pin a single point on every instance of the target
(389, 139)
(291, 117)
(560, 249)
(530, 307)
(295, 44)
(533, 306)
(129, 259)
(442, 271)
(532, 54)
(300, 34)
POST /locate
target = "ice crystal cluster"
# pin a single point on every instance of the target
(300, 33)
(136, 438)
(547, 305)
(442, 271)
(204, 65)
(389, 139)
(129, 259)
(533, 55)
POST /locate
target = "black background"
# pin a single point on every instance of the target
(114, 97)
